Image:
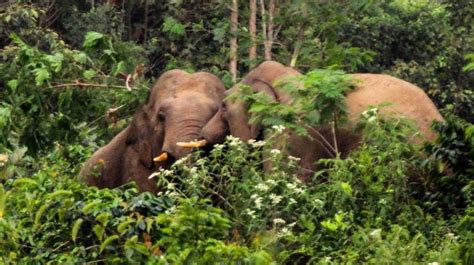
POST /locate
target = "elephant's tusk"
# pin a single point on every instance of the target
(192, 144)
(160, 158)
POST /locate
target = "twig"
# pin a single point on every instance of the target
(79, 84)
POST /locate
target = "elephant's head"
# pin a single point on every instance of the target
(233, 115)
(183, 104)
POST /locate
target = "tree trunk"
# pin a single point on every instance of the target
(253, 33)
(267, 31)
(271, 12)
(145, 30)
(233, 41)
(299, 42)
(264, 26)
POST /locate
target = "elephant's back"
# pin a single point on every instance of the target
(406, 100)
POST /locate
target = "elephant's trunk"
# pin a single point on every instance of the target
(179, 139)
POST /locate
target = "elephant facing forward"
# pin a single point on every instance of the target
(406, 100)
(179, 106)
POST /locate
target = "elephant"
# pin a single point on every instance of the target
(161, 131)
(406, 100)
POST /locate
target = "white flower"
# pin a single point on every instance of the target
(258, 203)
(433, 263)
(284, 232)
(372, 119)
(292, 201)
(251, 213)
(278, 221)
(170, 186)
(294, 158)
(256, 144)
(278, 128)
(180, 161)
(319, 203)
(275, 152)
(251, 141)
(262, 187)
(375, 233)
(234, 141)
(383, 201)
(275, 198)
(292, 224)
(294, 188)
(271, 182)
(218, 147)
(171, 210)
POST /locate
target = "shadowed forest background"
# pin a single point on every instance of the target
(72, 73)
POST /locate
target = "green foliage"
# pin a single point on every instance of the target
(38, 110)
(61, 220)
(361, 209)
(452, 164)
(386, 203)
(318, 99)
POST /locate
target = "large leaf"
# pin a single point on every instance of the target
(92, 39)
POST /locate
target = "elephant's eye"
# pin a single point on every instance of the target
(161, 116)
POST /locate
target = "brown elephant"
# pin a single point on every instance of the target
(406, 100)
(179, 106)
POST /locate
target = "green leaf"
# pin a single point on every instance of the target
(58, 193)
(25, 181)
(92, 38)
(13, 84)
(41, 75)
(107, 241)
(56, 61)
(173, 27)
(89, 74)
(90, 206)
(75, 228)
(39, 214)
(123, 227)
(103, 218)
(80, 57)
(99, 231)
(120, 67)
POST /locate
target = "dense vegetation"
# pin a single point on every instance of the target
(72, 73)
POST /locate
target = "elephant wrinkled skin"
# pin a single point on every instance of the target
(179, 105)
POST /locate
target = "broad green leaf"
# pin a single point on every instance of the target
(90, 206)
(89, 74)
(92, 38)
(103, 218)
(41, 75)
(123, 227)
(13, 84)
(80, 57)
(107, 241)
(24, 181)
(99, 231)
(75, 228)
(58, 193)
(39, 214)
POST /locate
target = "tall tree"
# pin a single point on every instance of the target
(253, 33)
(234, 19)
(268, 35)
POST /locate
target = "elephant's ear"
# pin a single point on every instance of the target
(139, 138)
